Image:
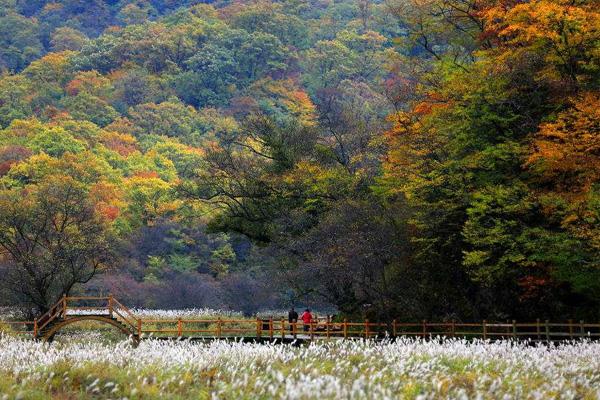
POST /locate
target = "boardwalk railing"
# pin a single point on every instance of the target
(109, 307)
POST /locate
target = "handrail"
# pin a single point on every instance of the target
(88, 298)
(133, 325)
(318, 328)
(131, 322)
(51, 314)
(47, 313)
(50, 319)
(16, 322)
(127, 310)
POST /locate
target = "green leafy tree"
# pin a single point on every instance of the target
(13, 103)
(19, 41)
(65, 38)
(51, 240)
(91, 108)
(460, 155)
(169, 118)
(55, 142)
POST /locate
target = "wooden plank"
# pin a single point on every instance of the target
(163, 321)
(75, 298)
(571, 328)
(484, 329)
(189, 321)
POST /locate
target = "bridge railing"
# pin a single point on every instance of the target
(123, 313)
(24, 328)
(276, 327)
(58, 310)
(82, 305)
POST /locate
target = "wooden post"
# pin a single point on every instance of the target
(484, 329)
(394, 333)
(35, 328)
(547, 331)
(366, 328)
(311, 326)
(571, 328)
(295, 329)
(538, 329)
(219, 327)
(64, 306)
(282, 328)
(179, 327)
(424, 326)
(514, 329)
(581, 328)
(271, 328)
(345, 328)
(258, 327)
(453, 328)
(139, 328)
(110, 305)
(327, 326)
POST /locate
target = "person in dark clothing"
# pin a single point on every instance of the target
(292, 318)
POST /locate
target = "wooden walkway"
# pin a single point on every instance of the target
(110, 311)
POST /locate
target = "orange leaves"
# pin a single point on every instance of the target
(299, 103)
(146, 174)
(565, 33)
(430, 103)
(121, 143)
(566, 155)
(286, 94)
(567, 151)
(403, 123)
(532, 287)
(107, 198)
(89, 82)
(109, 212)
(423, 108)
(544, 19)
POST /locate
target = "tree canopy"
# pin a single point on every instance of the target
(404, 159)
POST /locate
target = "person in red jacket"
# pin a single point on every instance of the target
(306, 317)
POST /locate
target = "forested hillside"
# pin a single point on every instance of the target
(406, 159)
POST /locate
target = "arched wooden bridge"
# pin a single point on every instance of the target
(109, 311)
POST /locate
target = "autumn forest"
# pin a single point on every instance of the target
(386, 159)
